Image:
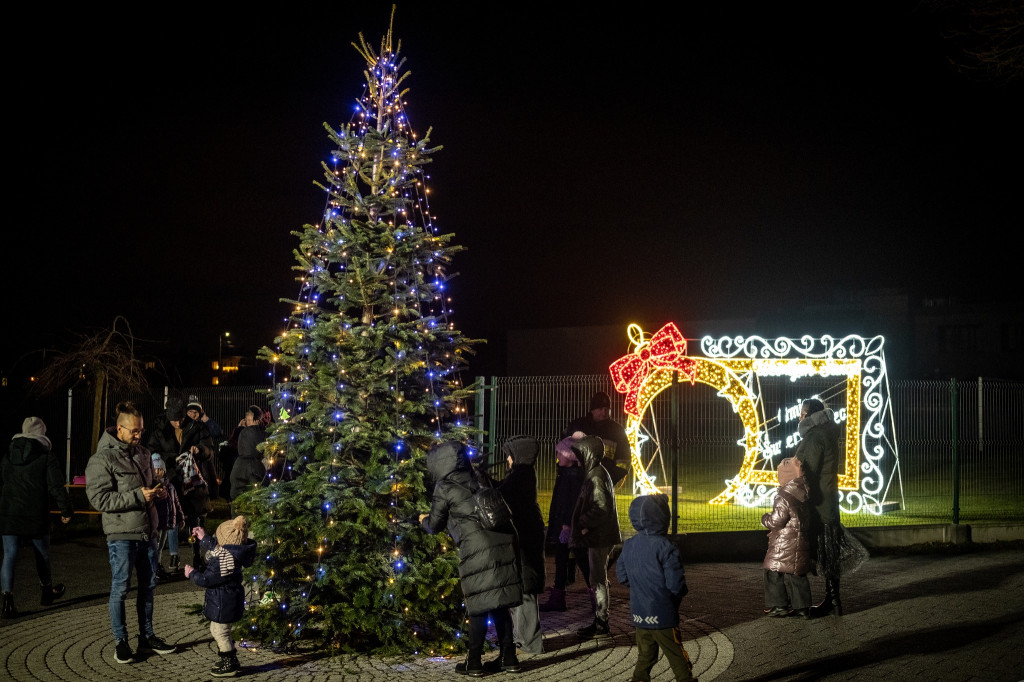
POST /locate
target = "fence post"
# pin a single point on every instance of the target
(67, 440)
(478, 410)
(674, 444)
(494, 414)
(954, 415)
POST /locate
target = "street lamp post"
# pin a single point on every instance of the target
(220, 351)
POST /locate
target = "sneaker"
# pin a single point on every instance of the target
(123, 651)
(154, 644)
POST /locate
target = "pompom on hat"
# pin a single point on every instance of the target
(158, 462)
(233, 531)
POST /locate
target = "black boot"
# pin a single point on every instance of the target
(472, 666)
(51, 592)
(829, 602)
(227, 666)
(837, 603)
(506, 662)
(7, 609)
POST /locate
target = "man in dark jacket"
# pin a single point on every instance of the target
(119, 483)
(652, 568)
(599, 423)
(488, 560)
(595, 528)
(29, 475)
(519, 488)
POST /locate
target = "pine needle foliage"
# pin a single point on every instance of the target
(370, 365)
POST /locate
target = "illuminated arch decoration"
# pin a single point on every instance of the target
(731, 365)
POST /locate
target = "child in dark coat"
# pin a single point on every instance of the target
(651, 566)
(229, 551)
(172, 517)
(789, 557)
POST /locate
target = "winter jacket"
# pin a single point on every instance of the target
(114, 479)
(818, 452)
(594, 511)
(650, 564)
(606, 429)
(29, 474)
(568, 481)
(488, 560)
(169, 510)
(224, 600)
(519, 488)
(163, 441)
(789, 544)
(248, 467)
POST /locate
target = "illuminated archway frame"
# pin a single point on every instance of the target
(731, 366)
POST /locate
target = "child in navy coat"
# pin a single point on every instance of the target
(228, 552)
(651, 566)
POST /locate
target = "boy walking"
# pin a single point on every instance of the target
(650, 565)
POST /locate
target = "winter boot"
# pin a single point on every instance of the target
(830, 602)
(472, 666)
(555, 602)
(227, 666)
(174, 564)
(506, 662)
(596, 630)
(50, 593)
(7, 609)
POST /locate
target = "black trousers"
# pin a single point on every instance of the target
(477, 631)
(670, 641)
(565, 567)
(786, 590)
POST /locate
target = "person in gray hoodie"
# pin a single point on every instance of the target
(120, 483)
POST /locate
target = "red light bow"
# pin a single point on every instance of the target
(667, 348)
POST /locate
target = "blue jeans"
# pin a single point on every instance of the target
(40, 545)
(125, 555)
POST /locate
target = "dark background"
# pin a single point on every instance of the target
(603, 167)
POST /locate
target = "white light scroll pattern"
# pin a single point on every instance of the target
(861, 360)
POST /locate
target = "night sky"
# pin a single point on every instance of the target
(601, 167)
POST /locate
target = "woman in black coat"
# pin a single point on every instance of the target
(248, 468)
(519, 488)
(489, 569)
(29, 475)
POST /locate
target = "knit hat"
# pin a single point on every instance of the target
(789, 469)
(158, 462)
(600, 400)
(233, 531)
(563, 451)
(175, 412)
(34, 428)
(193, 404)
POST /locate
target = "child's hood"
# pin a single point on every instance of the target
(244, 554)
(796, 489)
(649, 514)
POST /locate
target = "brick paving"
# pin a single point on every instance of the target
(926, 617)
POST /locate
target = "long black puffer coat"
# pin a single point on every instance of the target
(595, 510)
(29, 474)
(162, 441)
(819, 452)
(248, 467)
(519, 488)
(488, 560)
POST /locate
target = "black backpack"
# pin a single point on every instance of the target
(492, 511)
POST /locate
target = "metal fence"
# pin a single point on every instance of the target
(959, 443)
(956, 446)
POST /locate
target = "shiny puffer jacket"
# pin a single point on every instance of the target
(489, 565)
(789, 546)
(595, 511)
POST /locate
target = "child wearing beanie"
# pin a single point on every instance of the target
(229, 550)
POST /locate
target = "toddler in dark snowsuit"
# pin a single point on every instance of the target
(789, 558)
(651, 566)
(230, 549)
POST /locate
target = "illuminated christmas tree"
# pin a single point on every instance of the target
(369, 370)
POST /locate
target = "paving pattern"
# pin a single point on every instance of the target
(911, 617)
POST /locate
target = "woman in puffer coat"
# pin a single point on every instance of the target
(789, 557)
(519, 488)
(489, 568)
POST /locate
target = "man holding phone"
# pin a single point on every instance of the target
(120, 484)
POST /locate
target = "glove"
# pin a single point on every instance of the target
(563, 537)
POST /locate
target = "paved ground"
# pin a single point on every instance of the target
(930, 617)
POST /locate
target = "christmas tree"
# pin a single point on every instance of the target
(369, 369)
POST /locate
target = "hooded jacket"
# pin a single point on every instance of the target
(595, 510)
(650, 564)
(789, 546)
(519, 488)
(818, 451)
(114, 479)
(224, 600)
(248, 467)
(29, 474)
(488, 560)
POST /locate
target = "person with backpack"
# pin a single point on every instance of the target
(489, 568)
